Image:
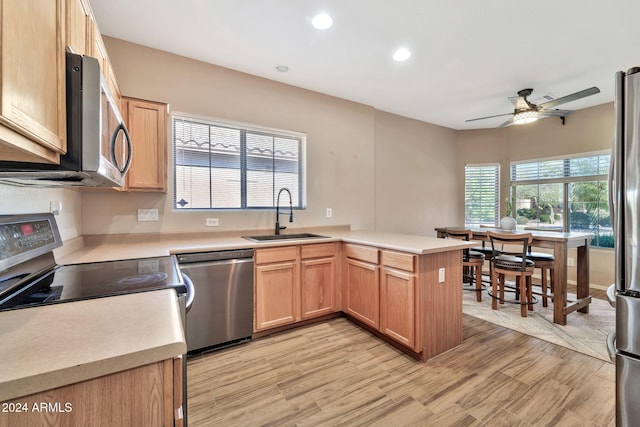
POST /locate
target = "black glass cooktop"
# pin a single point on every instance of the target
(84, 281)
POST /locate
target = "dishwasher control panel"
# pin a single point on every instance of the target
(215, 256)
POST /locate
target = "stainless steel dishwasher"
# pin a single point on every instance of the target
(222, 311)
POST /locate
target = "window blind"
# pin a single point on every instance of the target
(482, 192)
(225, 166)
(559, 170)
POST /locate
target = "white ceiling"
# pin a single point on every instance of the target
(468, 56)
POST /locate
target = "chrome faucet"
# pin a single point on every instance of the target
(278, 228)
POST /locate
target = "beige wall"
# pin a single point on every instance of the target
(21, 200)
(416, 178)
(585, 131)
(350, 163)
(375, 169)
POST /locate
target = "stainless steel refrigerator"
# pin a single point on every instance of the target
(624, 187)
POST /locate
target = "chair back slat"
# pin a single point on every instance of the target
(521, 241)
(461, 234)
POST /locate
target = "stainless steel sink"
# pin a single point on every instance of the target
(272, 237)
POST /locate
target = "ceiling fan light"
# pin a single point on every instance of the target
(524, 117)
(322, 21)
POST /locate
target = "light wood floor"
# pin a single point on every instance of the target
(336, 374)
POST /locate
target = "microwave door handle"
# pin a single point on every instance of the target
(121, 128)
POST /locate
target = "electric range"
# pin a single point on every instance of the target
(30, 277)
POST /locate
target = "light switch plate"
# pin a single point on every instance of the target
(441, 275)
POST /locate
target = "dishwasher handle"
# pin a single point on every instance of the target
(191, 292)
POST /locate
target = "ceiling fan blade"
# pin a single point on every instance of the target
(569, 98)
(518, 102)
(554, 113)
(489, 117)
(507, 123)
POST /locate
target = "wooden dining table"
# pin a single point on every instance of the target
(560, 242)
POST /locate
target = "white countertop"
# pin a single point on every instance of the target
(115, 247)
(60, 344)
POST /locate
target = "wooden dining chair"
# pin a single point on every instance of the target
(511, 260)
(545, 262)
(472, 261)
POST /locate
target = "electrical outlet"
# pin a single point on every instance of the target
(570, 262)
(147, 214)
(329, 213)
(212, 222)
(441, 275)
(55, 207)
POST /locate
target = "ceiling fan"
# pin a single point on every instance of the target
(526, 111)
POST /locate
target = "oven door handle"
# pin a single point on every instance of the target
(191, 292)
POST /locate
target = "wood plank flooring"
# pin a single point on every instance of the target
(336, 374)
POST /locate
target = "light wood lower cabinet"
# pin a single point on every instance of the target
(276, 296)
(294, 283)
(398, 306)
(398, 294)
(149, 395)
(317, 286)
(362, 291)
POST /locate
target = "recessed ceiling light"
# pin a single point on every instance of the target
(401, 54)
(322, 21)
(282, 68)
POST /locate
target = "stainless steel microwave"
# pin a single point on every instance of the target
(98, 145)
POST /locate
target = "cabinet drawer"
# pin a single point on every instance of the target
(319, 250)
(362, 253)
(399, 260)
(287, 253)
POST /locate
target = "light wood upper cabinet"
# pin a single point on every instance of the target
(98, 50)
(147, 124)
(32, 78)
(79, 33)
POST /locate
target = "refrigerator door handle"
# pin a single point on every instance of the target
(616, 184)
(611, 345)
(611, 295)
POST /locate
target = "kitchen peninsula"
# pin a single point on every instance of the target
(403, 288)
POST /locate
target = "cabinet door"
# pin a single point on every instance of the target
(146, 121)
(78, 27)
(32, 76)
(276, 296)
(98, 50)
(362, 289)
(398, 306)
(317, 286)
(141, 396)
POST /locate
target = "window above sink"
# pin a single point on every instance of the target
(235, 166)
